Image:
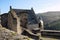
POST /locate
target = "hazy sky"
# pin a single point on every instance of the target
(38, 5)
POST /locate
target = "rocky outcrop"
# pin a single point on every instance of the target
(6, 34)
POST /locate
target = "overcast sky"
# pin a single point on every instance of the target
(39, 6)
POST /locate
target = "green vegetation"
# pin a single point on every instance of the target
(13, 33)
(51, 20)
(54, 25)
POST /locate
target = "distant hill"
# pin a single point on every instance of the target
(51, 19)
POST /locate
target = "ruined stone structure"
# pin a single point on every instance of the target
(22, 17)
(4, 20)
(21, 20)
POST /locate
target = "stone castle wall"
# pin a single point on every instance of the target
(4, 20)
(12, 22)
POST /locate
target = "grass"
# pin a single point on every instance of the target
(48, 38)
(44, 38)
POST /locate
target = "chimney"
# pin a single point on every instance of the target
(10, 7)
(32, 8)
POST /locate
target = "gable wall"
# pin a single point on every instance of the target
(12, 22)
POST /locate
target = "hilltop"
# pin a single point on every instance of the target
(51, 19)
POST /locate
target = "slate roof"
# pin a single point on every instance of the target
(31, 15)
(21, 10)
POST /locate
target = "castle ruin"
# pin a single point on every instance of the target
(20, 20)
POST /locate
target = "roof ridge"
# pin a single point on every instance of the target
(21, 9)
